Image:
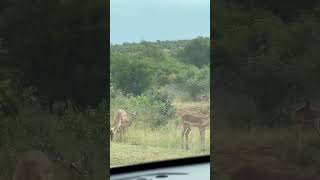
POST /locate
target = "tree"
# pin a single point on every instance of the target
(196, 52)
(131, 75)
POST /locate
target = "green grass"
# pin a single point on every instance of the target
(143, 144)
(124, 154)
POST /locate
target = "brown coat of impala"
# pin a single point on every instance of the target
(194, 120)
(121, 123)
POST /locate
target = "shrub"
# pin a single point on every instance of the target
(154, 108)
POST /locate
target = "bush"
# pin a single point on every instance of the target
(131, 75)
(194, 80)
(197, 52)
(154, 108)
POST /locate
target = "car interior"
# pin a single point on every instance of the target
(177, 169)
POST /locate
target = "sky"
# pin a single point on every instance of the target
(151, 20)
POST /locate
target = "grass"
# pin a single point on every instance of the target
(143, 144)
(124, 154)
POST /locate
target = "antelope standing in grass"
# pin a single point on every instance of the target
(194, 120)
(121, 123)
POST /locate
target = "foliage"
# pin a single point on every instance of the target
(130, 75)
(147, 77)
(153, 108)
(194, 80)
(196, 52)
(139, 67)
(267, 55)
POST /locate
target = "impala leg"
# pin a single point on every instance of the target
(117, 130)
(122, 134)
(184, 129)
(187, 137)
(111, 134)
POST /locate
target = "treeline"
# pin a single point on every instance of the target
(137, 67)
(266, 59)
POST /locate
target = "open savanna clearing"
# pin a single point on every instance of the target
(143, 144)
(147, 145)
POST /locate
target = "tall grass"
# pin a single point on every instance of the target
(168, 137)
(142, 144)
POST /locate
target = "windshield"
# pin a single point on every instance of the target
(159, 80)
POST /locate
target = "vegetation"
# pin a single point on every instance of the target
(265, 57)
(265, 61)
(146, 145)
(158, 80)
(51, 54)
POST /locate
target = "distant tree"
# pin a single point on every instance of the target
(131, 75)
(196, 52)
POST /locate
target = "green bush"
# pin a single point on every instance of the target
(131, 75)
(196, 52)
(154, 108)
(194, 80)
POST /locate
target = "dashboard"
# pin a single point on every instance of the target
(180, 169)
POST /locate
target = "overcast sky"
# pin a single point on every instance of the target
(151, 20)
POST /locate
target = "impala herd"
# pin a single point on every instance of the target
(121, 122)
